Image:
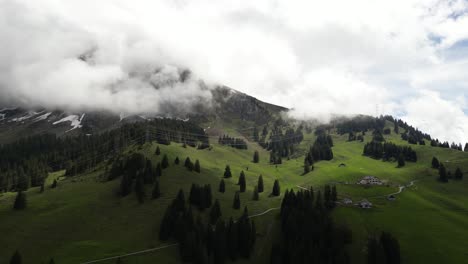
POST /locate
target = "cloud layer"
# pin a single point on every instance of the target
(408, 58)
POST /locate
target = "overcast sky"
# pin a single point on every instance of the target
(408, 58)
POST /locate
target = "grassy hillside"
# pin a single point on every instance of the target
(83, 218)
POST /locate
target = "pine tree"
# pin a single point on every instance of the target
(16, 258)
(256, 157)
(255, 197)
(227, 172)
(443, 173)
(197, 166)
(139, 188)
(276, 189)
(435, 163)
(466, 147)
(215, 212)
(260, 184)
(176, 161)
(188, 164)
(165, 162)
(306, 166)
(236, 203)
(42, 188)
(20, 201)
(242, 183)
(458, 174)
(401, 161)
(334, 194)
(222, 187)
(158, 171)
(156, 191)
(158, 151)
(54, 184)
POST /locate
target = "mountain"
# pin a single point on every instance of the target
(226, 104)
(234, 181)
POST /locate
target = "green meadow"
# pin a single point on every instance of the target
(83, 219)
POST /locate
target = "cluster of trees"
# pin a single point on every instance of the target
(444, 174)
(283, 142)
(190, 165)
(359, 124)
(320, 150)
(26, 162)
(386, 249)
(389, 151)
(353, 136)
(200, 196)
(308, 234)
(215, 242)
(238, 143)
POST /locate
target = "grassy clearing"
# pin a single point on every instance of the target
(83, 219)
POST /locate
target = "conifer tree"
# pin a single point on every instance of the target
(139, 188)
(165, 162)
(458, 174)
(442, 173)
(256, 157)
(306, 166)
(158, 151)
(20, 201)
(255, 197)
(401, 161)
(466, 147)
(215, 212)
(197, 166)
(276, 189)
(255, 134)
(242, 183)
(227, 172)
(54, 184)
(236, 203)
(158, 171)
(334, 194)
(42, 188)
(188, 164)
(222, 187)
(156, 193)
(435, 163)
(52, 261)
(16, 258)
(260, 184)
(176, 161)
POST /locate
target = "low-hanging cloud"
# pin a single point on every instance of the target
(317, 57)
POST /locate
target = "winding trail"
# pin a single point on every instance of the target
(402, 187)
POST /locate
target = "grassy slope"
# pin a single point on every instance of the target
(83, 219)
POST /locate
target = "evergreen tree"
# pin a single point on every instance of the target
(466, 147)
(401, 161)
(276, 189)
(197, 166)
(42, 188)
(54, 184)
(158, 170)
(156, 193)
(16, 258)
(242, 182)
(306, 166)
(255, 197)
(222, 187)
(158, 151)
(125, 185)
(458, 174)
(165, 162)
(176, 161)
(139, 188)
(52, 261)
(227, 172)
(334, 194)
(188, 164)
(256, 157)
(20, 201)
(215, 212)
(236, 203)
(260, 184)
(396, 128)
(442, 173)
(435, 163)
(255, 134)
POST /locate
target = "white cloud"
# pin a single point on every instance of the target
(319, 57)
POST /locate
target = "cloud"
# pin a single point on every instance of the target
(319, 57)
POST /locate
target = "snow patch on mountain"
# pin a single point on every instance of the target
(2, 116)
(75, 121)
(42, 117)
(26, 117)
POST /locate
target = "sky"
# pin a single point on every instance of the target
(407, 58)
